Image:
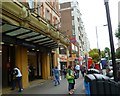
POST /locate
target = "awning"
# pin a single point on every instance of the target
(24, 36)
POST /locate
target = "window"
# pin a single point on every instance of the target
(72, 17)
(39, 5)
(47, 14)
(31, 4)
(62, 50)
(73, 22)
(78, 19)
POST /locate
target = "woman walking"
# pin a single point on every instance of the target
(57, 75)
(70, 78)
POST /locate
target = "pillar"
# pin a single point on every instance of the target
(22, 63)
(45, 65)
(55, 59)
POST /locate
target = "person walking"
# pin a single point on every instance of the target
(70, 79)
(64, 71)
(53, 74)
(83, 70)
(77, 68)
(17, 79)
(57, 75)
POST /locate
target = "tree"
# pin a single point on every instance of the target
(117, 34)
(102, 54)
(94, 53)
(117, 53)
(107, 52)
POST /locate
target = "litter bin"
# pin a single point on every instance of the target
(114, 88)
(99, 83)
(93, 71)
(106, 84)
(90, 84)
(119, 88)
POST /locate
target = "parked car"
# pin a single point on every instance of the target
(110, 62)
(109, 69)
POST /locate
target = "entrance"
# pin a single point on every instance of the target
(8, 62)
(34, 64)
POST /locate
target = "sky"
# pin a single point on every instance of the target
(94, 15)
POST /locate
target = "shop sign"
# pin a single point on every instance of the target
(72, 40)
(74, 55)
(63, 58)
(71, 59)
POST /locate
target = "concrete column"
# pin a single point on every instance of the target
(67, 57)
(48, 65)
(45, 65)
(55, 59)
(22, 63)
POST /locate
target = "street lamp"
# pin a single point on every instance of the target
(111, 40)
(97, 35)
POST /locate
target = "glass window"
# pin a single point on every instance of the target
(7, 27)
(41, 40)
(28, 35)
(17, 32)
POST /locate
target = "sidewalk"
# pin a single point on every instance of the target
(32, 84)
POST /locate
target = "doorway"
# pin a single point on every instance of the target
(8, 62)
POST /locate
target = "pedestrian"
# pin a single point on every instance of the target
(53, 74)
(75, 77)
(64, 71)
(83, 70)
(57, 76)
(70, 79)
(77, 68)
(17, 79)
(31, 72)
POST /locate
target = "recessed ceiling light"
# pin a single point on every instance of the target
(11, 44)
(2, 43)
(37, 50)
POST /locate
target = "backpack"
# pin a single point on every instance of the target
(68, 75)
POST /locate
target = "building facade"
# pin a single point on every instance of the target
(72, 26)
(30, 37)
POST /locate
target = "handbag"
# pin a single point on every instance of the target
(68, 76)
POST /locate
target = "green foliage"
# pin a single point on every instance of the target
(107, 50)
(94, 53)
(117, 34)
(102, 54)
(117, 53)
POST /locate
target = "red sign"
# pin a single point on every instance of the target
(72, 40)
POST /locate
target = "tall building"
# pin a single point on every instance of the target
(72, 26)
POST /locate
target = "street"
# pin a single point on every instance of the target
(49, 88)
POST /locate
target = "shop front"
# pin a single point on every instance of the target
(24, 48)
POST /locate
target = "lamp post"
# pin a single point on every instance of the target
(97, 38)
(111, 40)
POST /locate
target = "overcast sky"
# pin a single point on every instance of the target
(94, 14)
